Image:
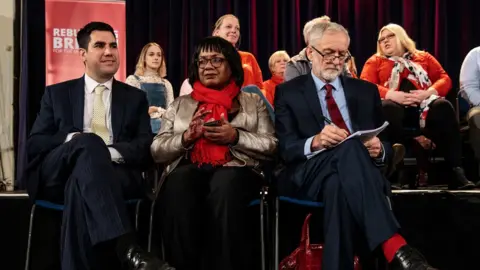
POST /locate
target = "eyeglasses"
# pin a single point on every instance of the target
(330, 57)
(215, 61)
(385, 38)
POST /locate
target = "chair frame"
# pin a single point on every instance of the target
(60, 207)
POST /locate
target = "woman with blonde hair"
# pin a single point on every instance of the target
(276, 63)
(228, 28)
(150, 77)
(413, 85)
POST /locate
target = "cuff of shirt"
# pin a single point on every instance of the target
(70, 136)
(307, 149)
(115, 155)
(380, 160)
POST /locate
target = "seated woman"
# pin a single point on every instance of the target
(277, 64)
(150, 77)
(413, 85)
(228, 27)
(212, 139)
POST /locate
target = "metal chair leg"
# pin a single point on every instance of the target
(262, 227)
(150, 227)
(277, 208)
(137, 214)
(29, 242)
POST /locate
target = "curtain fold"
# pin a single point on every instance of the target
(270, 25)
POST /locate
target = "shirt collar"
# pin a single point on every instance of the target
(91, 84)
(319, 84)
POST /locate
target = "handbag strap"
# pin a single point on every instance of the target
(305, 237)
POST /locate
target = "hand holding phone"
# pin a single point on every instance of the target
(216, 123)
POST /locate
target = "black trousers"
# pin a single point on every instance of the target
(354, 192)
(473, 117)
(80, 174)
(204, 217)
(441, 127)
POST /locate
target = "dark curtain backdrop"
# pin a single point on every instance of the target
(448, 29)
(30, 74)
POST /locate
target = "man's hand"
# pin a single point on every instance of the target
(223, 134)
(330, 136)
(374, 147)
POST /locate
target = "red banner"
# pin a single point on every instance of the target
(63, 20)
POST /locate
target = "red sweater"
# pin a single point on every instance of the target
(377, 70)
(269, 87)
(252, 72)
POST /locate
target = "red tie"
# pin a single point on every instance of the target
(333, 110)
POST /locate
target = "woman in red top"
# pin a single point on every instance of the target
(277, 64)
(228, 27)
(413, 85)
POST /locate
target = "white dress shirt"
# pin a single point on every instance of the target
(90, 85)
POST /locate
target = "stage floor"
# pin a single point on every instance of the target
(442, 224)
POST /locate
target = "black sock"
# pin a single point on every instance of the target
(124, 242)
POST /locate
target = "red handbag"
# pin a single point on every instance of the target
(307, 256)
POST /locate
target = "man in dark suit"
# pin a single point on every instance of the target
(87, 149)
(346, 176)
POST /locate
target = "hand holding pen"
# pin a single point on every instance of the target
(330, 136)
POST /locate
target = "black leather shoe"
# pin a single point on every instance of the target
(408, 258)
(137, 259)
(460, 181)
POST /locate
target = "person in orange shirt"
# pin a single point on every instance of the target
(277, 63)
(413, 85)
(228, 27)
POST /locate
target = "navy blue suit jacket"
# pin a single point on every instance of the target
(298, 115)
(62, 112)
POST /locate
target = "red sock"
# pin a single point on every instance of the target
(392, 245)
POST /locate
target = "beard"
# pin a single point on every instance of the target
(329, 74)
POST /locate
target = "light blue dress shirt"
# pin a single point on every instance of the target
(339, 96)
(470, 77)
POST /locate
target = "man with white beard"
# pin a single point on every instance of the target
(314, 113)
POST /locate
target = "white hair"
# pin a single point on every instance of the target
(308, 26)
(319, 29)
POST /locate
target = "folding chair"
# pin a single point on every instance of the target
(60, 207)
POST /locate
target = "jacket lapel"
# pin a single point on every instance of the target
(77, 101)
(352, 104)
(118, 107)
(311, 97)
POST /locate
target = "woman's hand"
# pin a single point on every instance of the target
(195, 129)
(223, 134)
(403, 98)
(421, 95)
(152, 109)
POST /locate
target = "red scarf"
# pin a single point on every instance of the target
(217, 101)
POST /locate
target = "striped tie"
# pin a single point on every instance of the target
(99, 125)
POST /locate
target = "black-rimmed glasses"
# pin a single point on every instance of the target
(215, 61)
(330, 57)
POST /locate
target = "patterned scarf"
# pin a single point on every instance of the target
(219, 102)
(417, 75)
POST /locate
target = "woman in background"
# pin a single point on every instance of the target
(413, 85)
(149, 76)
(277, 63)
(228, 28)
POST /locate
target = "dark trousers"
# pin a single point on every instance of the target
(441, 126)
(204, 217)
(80, 174)
(473, 117)
(355, 196)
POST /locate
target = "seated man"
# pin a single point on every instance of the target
(470, 89)
(87, 149)
(345, 177)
